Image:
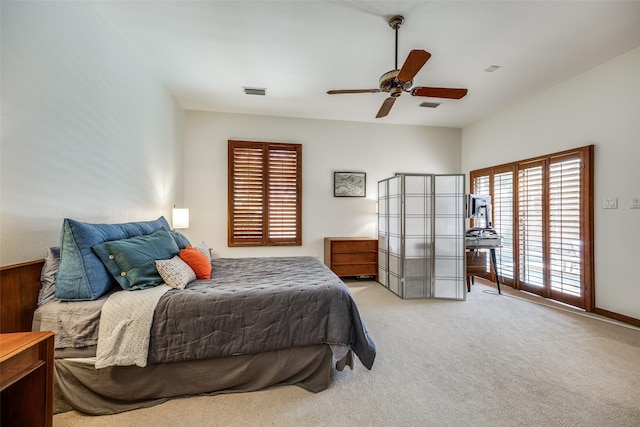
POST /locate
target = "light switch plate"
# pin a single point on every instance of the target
(610, 203)
(635, 203)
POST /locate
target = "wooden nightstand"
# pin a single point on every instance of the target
(352, 256)
(26, 378)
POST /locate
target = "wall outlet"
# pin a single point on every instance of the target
(635, 203)
(610, 203)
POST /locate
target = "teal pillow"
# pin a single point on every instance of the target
(132, 262)
(82, 276)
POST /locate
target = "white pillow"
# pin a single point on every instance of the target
(202, 247)
(175, 272)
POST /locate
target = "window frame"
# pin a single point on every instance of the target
(264, 237)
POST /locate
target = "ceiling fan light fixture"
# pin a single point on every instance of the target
(255, 91)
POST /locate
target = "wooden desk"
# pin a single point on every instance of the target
(26, 379)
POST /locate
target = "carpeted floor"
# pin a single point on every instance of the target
(509, 360)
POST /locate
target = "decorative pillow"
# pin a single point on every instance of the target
(175, 272)
(181, 239)
(48, 275)
(202, 247)
(197, 261)
(132, 262)
(82, 276)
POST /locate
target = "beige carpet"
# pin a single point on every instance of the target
(488, 361)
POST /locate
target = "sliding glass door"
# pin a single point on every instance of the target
(566, 270)
(531, 232)
(543, 208)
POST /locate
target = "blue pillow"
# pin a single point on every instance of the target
(181, 239)
(132, 262)
(81, 275)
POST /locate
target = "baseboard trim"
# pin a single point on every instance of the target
(616, 316)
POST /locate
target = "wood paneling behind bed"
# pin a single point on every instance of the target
(19, 289)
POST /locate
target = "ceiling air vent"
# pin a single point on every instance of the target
(430, 104)
(255, 91)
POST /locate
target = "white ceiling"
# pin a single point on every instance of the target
(207, 51)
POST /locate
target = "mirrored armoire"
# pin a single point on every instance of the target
(421, 243)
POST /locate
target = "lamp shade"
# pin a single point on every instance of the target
(180, 218)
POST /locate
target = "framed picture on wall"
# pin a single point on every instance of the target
(349, 184)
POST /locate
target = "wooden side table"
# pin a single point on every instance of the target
(26, 379)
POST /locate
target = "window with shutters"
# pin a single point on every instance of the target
(564, 225)
(543, 209)
(502, 199)
(265, 194)
(530, 225)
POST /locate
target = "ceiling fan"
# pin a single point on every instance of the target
(400, 80)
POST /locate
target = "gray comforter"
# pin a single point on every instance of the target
(252, 305)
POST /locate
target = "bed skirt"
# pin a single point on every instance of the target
(123, 388)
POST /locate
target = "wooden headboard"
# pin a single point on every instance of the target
(19, 289)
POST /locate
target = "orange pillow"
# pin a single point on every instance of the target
(197, 261)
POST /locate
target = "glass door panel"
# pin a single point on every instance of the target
(531, 260)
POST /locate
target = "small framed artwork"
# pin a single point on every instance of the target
(349, 184)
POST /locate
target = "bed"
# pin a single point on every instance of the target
(255, 323)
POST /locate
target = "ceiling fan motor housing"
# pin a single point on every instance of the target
(389, 81)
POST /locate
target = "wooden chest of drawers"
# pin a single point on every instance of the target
(352, 256)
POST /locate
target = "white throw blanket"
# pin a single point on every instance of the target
(125, 326)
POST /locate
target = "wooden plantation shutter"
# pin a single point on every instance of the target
(246, 192)
(265, 189)
(502, 199)
(283, 212)
(481, 186)
(531, 230)
(564, 225)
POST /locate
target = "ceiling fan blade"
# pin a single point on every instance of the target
(414, 62)
(439, 92)
(386, 107)
(336, 92)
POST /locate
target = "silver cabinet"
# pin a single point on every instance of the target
(421, 246)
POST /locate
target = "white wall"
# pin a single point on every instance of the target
(87, 131)
(600, 107)
(327, 146)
